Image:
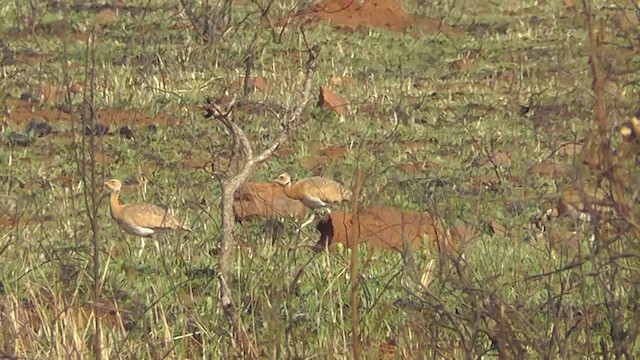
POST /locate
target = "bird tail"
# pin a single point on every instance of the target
(347, 195)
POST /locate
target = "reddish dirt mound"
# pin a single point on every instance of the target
(21, 114)
(316, 163)
(384, 228)
(415, 167)
(385, 14)
(128, 117)
(265, 200)
(9, 221)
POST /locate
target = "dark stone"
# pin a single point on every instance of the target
(126, 132)
(99, 129)
(40, 128)
(26, 96)
(20, 139)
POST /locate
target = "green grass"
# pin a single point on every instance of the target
(405, 89)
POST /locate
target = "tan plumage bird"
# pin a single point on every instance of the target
(140, 219)
(630, 129)
(314, 192)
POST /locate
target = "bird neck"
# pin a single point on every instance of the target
(288, 191)
(114, 203)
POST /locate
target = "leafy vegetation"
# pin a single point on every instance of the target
(446, 120)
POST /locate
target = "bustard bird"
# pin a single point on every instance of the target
(315, 193)
(140, 219)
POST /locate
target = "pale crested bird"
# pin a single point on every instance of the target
(140, 219)
(315, 193)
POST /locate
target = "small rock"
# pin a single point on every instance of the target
(126, 132)
(99, 129)
(515, 207)
(129, 325)
(64, 108)
(260, 83)
(328, 99)
(501, 159)
(105, 17)
(497, 228)
(40, 128)
(549, 167)
(75, 88)
(8, 56)
(20, 139)
(26, 96)
(341, 80)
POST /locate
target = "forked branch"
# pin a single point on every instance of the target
(231, 182)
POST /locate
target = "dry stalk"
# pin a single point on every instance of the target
(355, 277)
(84, 157)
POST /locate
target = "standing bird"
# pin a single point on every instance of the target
(314, 192)
(140, 219)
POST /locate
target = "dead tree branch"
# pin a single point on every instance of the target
(244, 155)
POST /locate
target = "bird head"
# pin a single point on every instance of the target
(113, 185)
(283, 179)
(630, 129)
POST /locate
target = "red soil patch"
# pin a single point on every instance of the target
(265, 200)
(195, 163)
(569, 150)
(412, 146)
(259, 83)
(21, 114)
(549, 168)
(315, 163)
(384, 228)
(105, 17)
(32, 58)
(463, 234)
(497, 228)
(103, 158)
(341, 80)
(128, 117)
(415, 167)
(493, 182)
(58, 28)
(384, 14)
(51, 94)
(334, 151)
(331, 101)
(9, 222)
(28, 313)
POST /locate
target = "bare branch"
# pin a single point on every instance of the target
(241, 144)
(297, 112)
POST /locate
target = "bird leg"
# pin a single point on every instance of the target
(141, 246)
(307, 222)
(157, 242)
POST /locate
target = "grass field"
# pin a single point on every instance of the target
(462, 114)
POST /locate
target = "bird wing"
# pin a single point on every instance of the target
(151, 216)
(326, 189)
